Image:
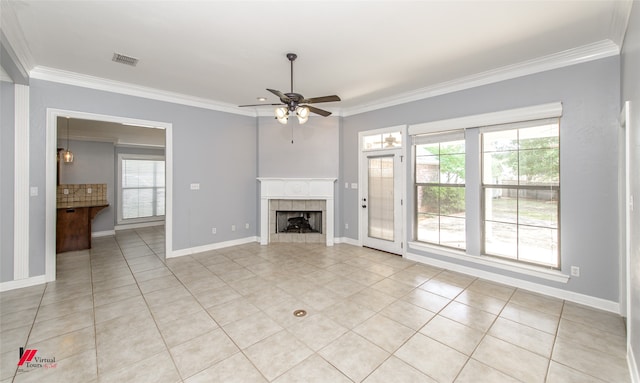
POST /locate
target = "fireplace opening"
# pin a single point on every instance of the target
(298, 221)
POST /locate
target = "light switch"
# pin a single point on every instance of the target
(354, 185)
(33, 191)
(195, 186)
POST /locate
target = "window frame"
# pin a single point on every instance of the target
(484, 187)
(472, 124)
(142, 157)
(436, 138)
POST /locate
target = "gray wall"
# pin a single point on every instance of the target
(631, 92)
(205, 142)
(588, 138)
(92, 164)
(7, 140)
(313, 153)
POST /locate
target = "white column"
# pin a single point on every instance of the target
(330, 218)
(21, 184)
(264, 221)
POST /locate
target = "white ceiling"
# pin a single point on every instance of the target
(366, 52)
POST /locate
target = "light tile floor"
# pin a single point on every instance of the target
(121, 313)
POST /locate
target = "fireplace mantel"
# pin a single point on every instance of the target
(296, 188)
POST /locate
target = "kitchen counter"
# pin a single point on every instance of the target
(73, 226)
(73, 205)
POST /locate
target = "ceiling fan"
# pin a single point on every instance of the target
(296, 103)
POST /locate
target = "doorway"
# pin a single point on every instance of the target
(50, 168)
(382, 195)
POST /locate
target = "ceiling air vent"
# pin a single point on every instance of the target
(122, 59)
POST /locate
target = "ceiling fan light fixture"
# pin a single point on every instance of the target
(303, 114)
(282, 115)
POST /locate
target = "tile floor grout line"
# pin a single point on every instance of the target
(555, 339)
(33, 323)
(240, 350)
(148, 307)
(93, 301)
(484, 335)
(242, 257)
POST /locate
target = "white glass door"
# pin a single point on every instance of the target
(381, 201)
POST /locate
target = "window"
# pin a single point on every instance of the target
(382, 141)
(141, 185)
(521, 189)
(440, 189)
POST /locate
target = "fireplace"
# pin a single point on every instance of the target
(296, 210)
(301, 222)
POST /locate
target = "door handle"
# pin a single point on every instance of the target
(364, 205)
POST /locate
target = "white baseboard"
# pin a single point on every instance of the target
(347, 240)
(212, 246)
(598, 303)
(20, 283)
(105, 233)
(632, 363)
(138, 225)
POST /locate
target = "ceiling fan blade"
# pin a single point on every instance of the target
(240, 106)
(315, 100)
(281, 95)
(319, 111)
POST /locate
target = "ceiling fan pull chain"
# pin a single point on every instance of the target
(291, 133)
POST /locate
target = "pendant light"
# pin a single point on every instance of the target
(67, 155)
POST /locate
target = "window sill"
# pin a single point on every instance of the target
(530, 270)
(133, 221)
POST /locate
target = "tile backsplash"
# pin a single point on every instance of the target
(81, 193)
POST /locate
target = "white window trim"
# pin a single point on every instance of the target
(432, 138)
(126, 156)
(392, 129)
(537, 112)
(498, 263)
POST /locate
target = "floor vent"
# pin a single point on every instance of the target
(122, 59)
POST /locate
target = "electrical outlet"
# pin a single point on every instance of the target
(246, 225)
(575, 271)
(213, 230)
(346, 185)
(346, 226)
(233, 227)
(65, 191)
(89, 190)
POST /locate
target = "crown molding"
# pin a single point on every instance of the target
(85, 81)
(4, 76)
(586, 53)
(590, 52)
(620, 21)
(15, 37)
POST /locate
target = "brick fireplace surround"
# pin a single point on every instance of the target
(296, 190)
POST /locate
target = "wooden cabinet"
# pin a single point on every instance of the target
(73, 227)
